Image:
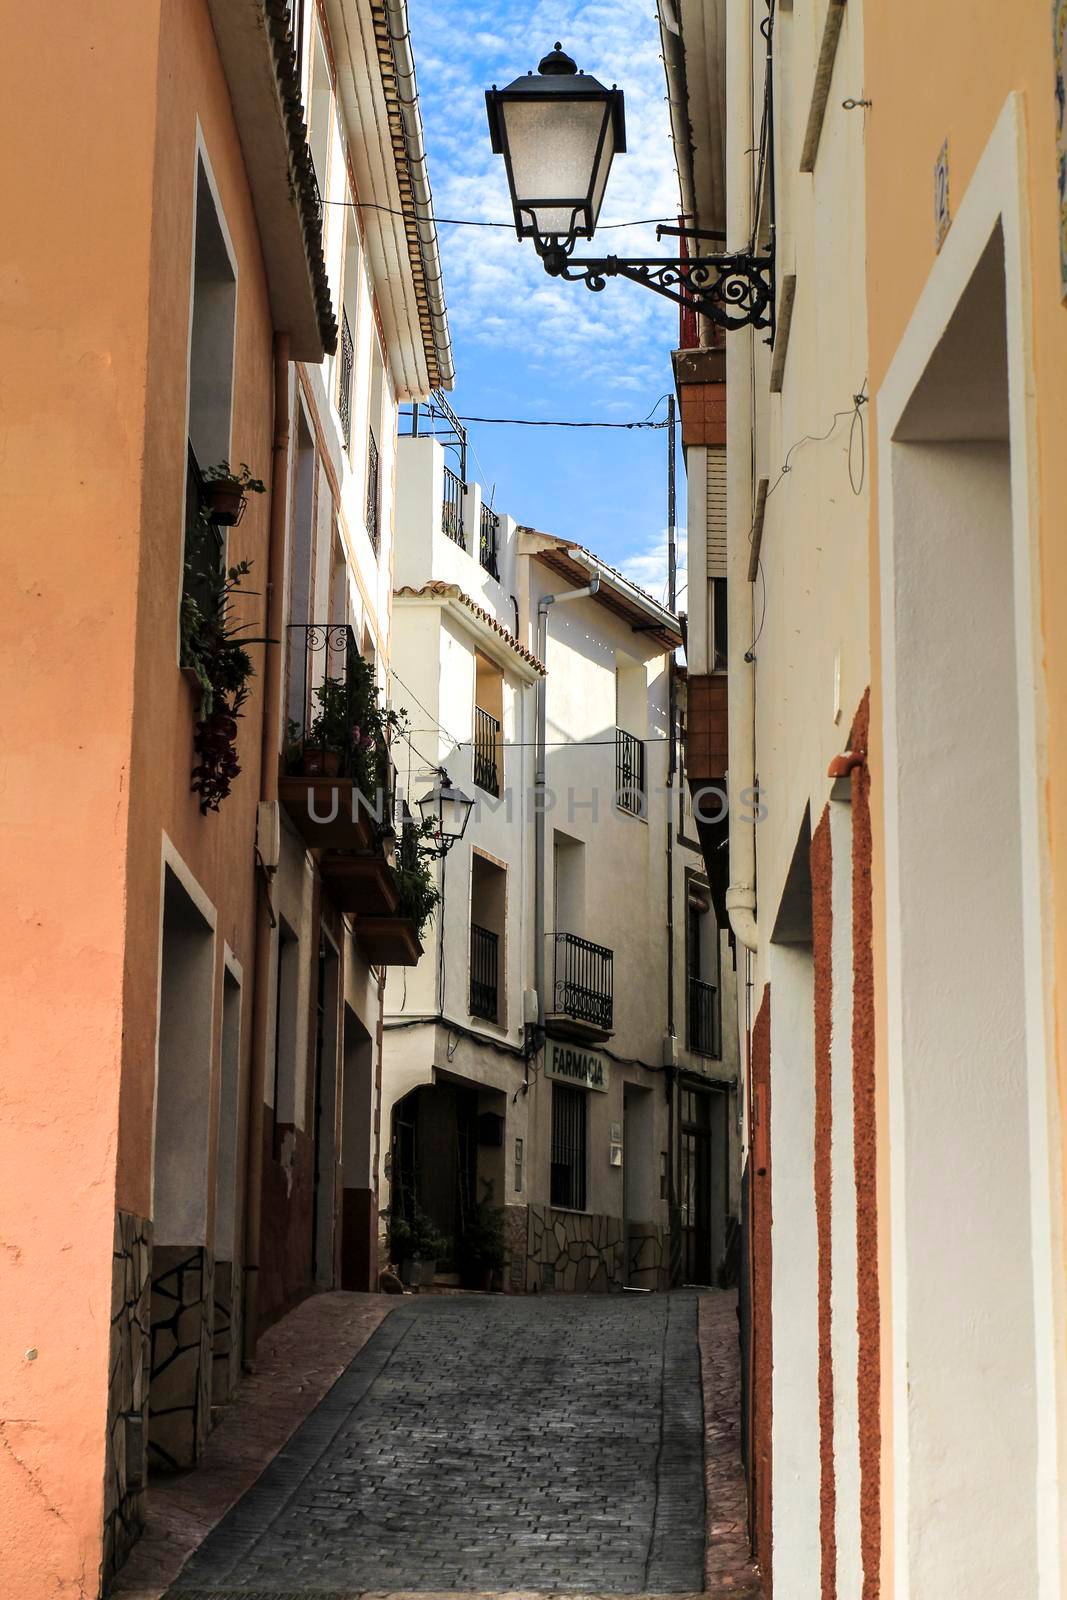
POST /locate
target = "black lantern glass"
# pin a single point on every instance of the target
(558, 130)
(448, 808)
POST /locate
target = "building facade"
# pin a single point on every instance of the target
(891, 685)
(209, 317)
(589, 1120)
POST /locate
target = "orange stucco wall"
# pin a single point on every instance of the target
(937, 72)
(94, 307)
(74, 259)
(218, 848)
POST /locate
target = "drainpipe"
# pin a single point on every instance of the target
(268, 788)
(740, 424)
(540, 786)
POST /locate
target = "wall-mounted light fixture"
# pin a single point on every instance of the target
(558, 131)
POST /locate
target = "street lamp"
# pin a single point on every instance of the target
(448, 809)
(558, 131)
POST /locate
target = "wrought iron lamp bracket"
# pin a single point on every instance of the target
(735, 290)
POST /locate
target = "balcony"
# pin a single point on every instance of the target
(388, 941)
(452, 508)
(705, 1019)
(489, 541)
(582, 1004)
(629, 773)
(331, 787)
(486, 751)
(484, 999)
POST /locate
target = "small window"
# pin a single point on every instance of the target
(569, 1115)
(488, 912)
(718, 625)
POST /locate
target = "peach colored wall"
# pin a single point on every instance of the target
(993, 51)
(218, 848)
(74, 261)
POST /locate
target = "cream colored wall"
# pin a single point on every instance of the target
(810, 606)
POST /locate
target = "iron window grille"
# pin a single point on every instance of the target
(569, 1119)
(583, 981)
(629, 773)
(486, 746)
(344, 391)
(705, 1031)
(373, 489)
(484, 999)
(452, 508)
(488, 538)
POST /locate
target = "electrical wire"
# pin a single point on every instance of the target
(855, 412)
(472, 222)
(537, 422)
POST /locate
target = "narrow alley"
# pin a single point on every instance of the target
(478, 1444)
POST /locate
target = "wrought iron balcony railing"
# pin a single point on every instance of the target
(486, 751)
(330, 728)
(488, 541)
(373, 490)
(583, 981)
(452, 508)
(705, 1019)
(629, 773)
(344, 385)
(484, 998)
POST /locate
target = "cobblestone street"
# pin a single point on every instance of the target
(487, 1444)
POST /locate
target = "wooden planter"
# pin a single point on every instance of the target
(388, 941)
(364, 884)
(318, 762)
(308, 799)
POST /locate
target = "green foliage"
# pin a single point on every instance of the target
(350, 719)
(414, 874)
(212, 649)
(484, 1244)
(222, 472)
(415, 1236)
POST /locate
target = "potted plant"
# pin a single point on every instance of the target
(484, 1243)
(224, 492)
(416, 1245)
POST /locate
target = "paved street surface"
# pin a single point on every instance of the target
(486, 1443)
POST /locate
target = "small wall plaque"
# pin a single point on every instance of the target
(942, 213)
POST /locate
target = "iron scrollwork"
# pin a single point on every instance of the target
(734, 290)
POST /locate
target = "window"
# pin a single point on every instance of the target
(320, 108)
(568, 1147)
(377, 390)
(631, 725)
(702, 962)
(488, 727)
(346, 354)
(488, 910)
(211, 333)
(717, 653)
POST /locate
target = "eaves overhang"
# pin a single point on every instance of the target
(380, 103)
(497, 642)
(616, 593)
(256, 49)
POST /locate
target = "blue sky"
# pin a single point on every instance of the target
(526, 345)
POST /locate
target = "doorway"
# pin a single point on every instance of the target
(961, 799)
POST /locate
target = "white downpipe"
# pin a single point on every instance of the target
(740, 422)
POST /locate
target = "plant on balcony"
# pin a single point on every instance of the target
(483, 1245)
(215, 655)
(417, 890)
(415, 1241)
(225, 492)
(349, 731)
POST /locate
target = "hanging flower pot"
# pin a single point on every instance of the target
(225, 501)
(224, 493)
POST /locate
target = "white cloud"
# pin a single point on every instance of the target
(648, 567)
(498, 292)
